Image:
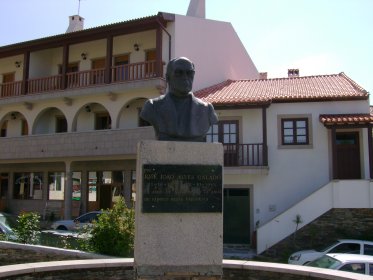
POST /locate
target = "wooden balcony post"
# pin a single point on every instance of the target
(65, 62)
(264, 125)
(108, 61)
(26, 71)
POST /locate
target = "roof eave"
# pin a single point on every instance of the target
(126, 27)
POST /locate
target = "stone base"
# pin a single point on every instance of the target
(177, 245)
(180, 277)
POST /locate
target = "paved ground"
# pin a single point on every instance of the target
(238, 252)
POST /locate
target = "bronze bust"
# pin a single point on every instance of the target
(178, 115)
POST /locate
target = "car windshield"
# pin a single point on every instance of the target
(327, 248)
(325, 262)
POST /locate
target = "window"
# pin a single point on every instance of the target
(294, 131)
(121, 68)
(28, 185)
(24, 127)
(4, 185)
(61, 124)
(72, 79)
(56, 185)
(226, 132)
(350, 248)
(368, 250)
(3, 129)
(8, 87)
(354, 267)
(150, 57)
(103, 121)
(98, 75)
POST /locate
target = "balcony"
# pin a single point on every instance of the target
(245, 155)
(100, 143)
(82, 79)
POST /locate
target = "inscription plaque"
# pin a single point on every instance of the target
(181, 188)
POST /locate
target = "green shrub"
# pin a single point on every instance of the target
(114, 231)
(27, 230)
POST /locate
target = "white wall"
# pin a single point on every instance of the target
(294, 173)
(7, 66)
(215, 49)
(336, 194)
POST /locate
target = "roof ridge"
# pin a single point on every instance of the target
(352, 82)
(290, 78)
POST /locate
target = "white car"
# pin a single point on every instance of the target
(350, 246)
(7, 231)
(345, 262)
(77, 223)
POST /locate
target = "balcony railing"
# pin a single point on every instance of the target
(245, 155)
(81, 79)
(134, 71)
(85, 78)
(11, 89)
(44, 84)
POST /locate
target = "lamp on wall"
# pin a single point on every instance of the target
(13, 116)
(87, 108)
(18, 63)
(136, 47)
(84, 55)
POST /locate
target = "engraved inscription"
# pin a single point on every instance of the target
(181, 188)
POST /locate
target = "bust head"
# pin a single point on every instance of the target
(180, 76)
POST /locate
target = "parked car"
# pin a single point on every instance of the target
(7, 231)
(76, 223)
(345, 262)
(350, 246)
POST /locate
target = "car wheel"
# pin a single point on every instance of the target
(62, 228)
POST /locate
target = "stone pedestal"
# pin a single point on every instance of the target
(179, 219)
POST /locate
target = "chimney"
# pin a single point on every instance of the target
(292, 73)
(197, 8)
(76, 23)
(263, 75)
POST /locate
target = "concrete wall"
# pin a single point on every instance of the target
(336, 194)
(89, 266)
(215, 49)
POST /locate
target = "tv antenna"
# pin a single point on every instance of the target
(79, 7)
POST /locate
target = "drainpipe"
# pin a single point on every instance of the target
(169, 39)
(370, 150)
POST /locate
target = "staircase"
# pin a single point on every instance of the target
(335, 194)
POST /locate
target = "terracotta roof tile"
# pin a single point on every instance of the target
(311, 88)
(346, 119)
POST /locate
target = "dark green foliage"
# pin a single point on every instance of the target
(27, 230)
(113, 233)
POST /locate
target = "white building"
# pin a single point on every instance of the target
(70, 104)
(69, 108)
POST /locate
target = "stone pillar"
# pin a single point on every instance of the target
(179, 221)
(68, 191)
(84, 190)
(127, 187)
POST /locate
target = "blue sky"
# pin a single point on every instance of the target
(316, 36)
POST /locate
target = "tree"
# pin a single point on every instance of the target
(114, 231)
(27, 230)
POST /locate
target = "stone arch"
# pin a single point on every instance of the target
(92, 116)
(12, 124)
(50, 120)
(129, 114)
